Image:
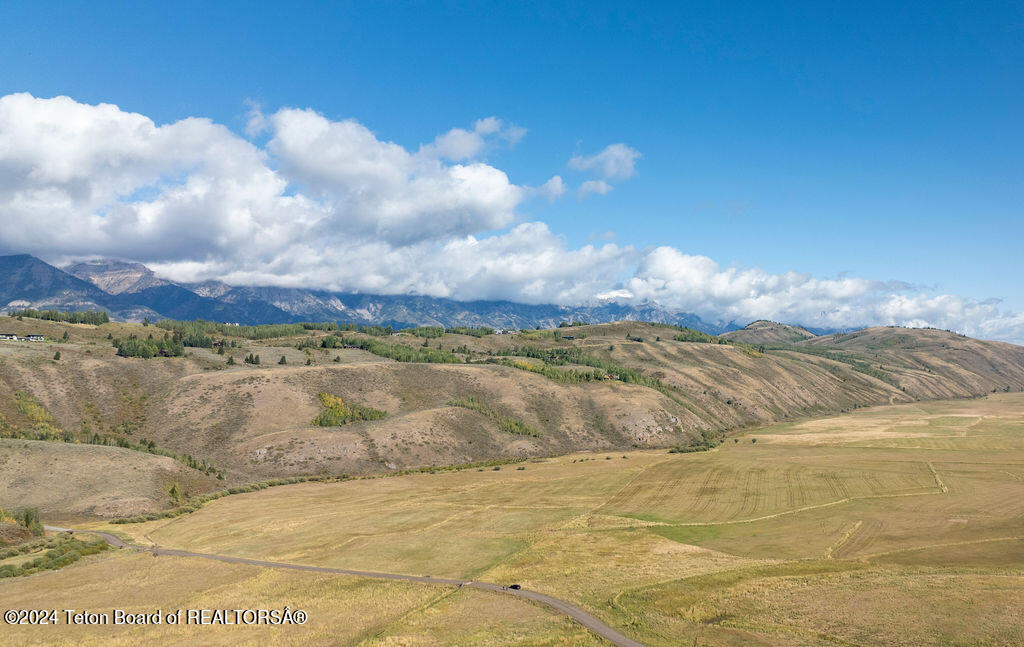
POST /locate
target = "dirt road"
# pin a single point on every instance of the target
(561, 606)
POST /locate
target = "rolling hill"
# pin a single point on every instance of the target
(762, 332)
(252, 423)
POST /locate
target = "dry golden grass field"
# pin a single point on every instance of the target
(893, 525)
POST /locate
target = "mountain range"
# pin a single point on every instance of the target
(131, 291)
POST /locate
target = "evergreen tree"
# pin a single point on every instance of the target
(30, 519)
(231, 360)
(56, 355)
(283, 360)
(256, 359)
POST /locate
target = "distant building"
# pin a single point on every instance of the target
(7, 335)
(35, 338)
(568, 337)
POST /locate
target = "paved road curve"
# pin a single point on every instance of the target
(577, 614)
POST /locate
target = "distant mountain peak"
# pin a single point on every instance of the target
(116, 276)
(212, 288)
(29, 281)
(130, 291)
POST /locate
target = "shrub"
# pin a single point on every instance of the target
(29, 517)
(336, 412)
(61, 553)
(691, 335)
(505, 423)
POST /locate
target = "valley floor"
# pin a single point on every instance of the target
(897, 525)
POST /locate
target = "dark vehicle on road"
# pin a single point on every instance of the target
(515, 587)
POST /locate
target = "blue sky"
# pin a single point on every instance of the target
(882, 140)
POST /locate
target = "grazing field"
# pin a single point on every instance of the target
(897, 525)
(342, 610)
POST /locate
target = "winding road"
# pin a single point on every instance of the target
(561, 606)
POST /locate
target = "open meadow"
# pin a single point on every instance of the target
(895, 525)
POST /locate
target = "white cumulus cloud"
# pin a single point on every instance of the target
(615, 162)
(553, 188)
(593, 187)
(459, 144)
(328, 204)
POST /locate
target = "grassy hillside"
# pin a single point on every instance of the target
(603, 387)
(768, 332)
(67, 480)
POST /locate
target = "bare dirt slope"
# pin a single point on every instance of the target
(264, 417)
(75, 480)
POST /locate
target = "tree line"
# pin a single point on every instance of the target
(94, 317)
(200, 328)
(135, 346)
(399, 352)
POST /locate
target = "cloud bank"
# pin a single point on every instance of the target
(327, 204)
